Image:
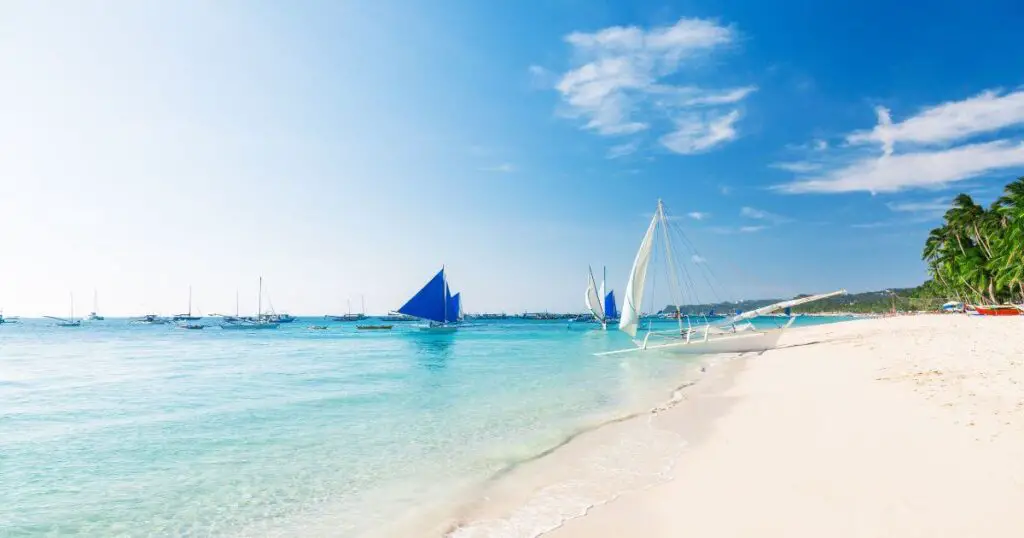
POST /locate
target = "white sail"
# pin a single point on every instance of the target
(784, 304)
(630, 316)
(593, 299)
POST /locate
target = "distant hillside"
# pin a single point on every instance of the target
(919, 298)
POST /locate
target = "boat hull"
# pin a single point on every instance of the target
(742, 342)
(440, 329)
(248, 326)
(997, 310)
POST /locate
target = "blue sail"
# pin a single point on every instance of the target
(431, 302)
(455, 312)
(448, 313)
(610, 312)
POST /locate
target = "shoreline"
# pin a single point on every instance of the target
(508, 502)
(889, 427)
(842, 421)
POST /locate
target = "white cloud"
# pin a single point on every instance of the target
(617, 87)
(697, 258)
(503, 168)
(820, 145)
(928, 150)
(797, 167)
(697, 215)
(725, 190)
(938, 205)
(915, 170)
(948, 122)
(759, 214)
(623, 150)
(697, 134)
(750, 229)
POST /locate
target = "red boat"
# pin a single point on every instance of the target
(997, 310)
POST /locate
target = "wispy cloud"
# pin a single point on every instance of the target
(503, 168)
(618, 83)
(797, 167)
(922, 151)
(725, 190)
(948, 122)
(760, 214)
(697, 215)
(751, 229)
(915, 170)
(870, 225)
(938, 205)
(697, 258)
(623, 150)
(700, 133)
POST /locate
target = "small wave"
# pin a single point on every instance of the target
(636, 462)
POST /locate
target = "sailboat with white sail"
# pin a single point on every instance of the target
(734, 335)
(601, 304)
(256, 323)
(93, 316)
(188, 316)
(435, 303)
(69, 321)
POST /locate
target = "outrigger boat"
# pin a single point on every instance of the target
(996, 310)
(70, 321)
(735, 335)
(435, 303)
(600, 304)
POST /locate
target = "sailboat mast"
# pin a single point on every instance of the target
(259, 300)
(190, 300)
(236, 303)
(72, 306)
(362, 302)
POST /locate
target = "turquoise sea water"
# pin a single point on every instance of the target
(117, 429)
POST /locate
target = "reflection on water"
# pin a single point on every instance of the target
(433, 350)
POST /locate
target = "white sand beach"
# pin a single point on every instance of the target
(907, 426)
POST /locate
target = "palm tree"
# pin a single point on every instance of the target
(979, 252)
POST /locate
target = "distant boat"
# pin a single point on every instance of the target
(350, 316)
(93, 316)
(257, 323)
(318, 327)
(191, 326)
(374, 327)
(188, 316)
(435, 303)
(396, 316)
(280, 318)
(601, 304)
(69, 321)
(150, 319)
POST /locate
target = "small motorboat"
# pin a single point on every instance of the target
(192, 326)
(374, 327)
(318, 327)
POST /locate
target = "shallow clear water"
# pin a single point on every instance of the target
(113, 428)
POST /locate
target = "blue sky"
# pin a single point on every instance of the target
(348, 149)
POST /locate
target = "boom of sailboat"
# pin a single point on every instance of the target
(733, 335)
